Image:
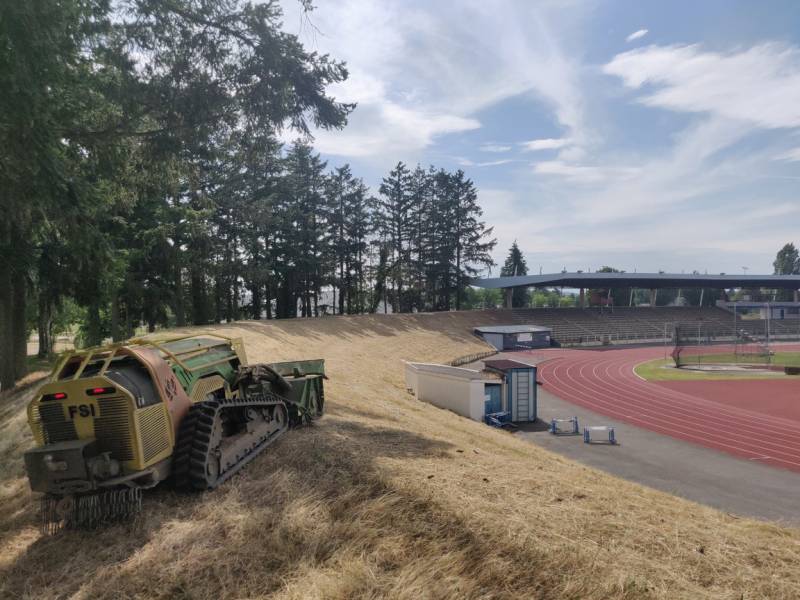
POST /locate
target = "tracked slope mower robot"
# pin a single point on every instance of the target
(115, 420)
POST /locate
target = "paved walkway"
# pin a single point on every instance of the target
(731, 484)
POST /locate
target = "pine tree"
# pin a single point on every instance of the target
(514, 266)
(140, 168)
(359, 225)
(338, 189)
(472, 239)
(303, 228)
(421, 214)
(397, 226)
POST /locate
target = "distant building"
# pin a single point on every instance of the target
(511, 337)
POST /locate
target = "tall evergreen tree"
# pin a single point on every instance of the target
(420, 184)
(359, 226)
(140, 166)
(473, 241)
(514, 266)
(396, 218)
(303, 230)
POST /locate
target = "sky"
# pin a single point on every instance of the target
(648, 136)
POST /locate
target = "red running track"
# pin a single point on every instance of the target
(734, 422)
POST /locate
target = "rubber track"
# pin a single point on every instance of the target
(194, 437)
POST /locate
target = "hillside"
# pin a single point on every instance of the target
(386, 496)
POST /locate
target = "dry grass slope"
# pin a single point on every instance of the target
(388, 497)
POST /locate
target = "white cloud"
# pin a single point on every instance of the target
(760, 85)
(636, 35)
(402, 130)
(498, 148)
(678, 200)
(414, 85)
(645, 187)
(583, 174)
(792, 155)
(545, 144)
(465, 162)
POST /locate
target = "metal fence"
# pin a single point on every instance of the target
(469, 358)
(591, 339)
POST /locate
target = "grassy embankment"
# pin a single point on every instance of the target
(389, 497)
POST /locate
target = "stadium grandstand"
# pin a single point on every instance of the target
(617, 323)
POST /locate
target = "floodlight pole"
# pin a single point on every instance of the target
(698, 344)
(769, 316)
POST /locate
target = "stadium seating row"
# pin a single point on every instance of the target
(573, 326)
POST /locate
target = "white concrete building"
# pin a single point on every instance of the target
(505, 387)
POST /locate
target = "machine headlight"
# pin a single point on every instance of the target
(54, 465)
(104, 467)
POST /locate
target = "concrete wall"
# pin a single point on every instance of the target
(456, 389)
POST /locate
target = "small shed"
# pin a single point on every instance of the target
(511, 337)
(519, 386)
(460, 390)
(503, 386)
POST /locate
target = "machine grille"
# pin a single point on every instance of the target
(113, 428)
(55, 428)
(154, 433)
(206, 386)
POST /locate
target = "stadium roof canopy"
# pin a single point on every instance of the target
(641, 280)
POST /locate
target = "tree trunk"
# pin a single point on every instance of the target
(45, 326)
(116, 334)
(236, 300)
(458, 278)
(6, 336)
(342, 287)
(228, 305)
(307, 299)
(217, 300)
(129, 328)
(94, 334)
(180, 313)
(197, 287)
(20, 326)
(316, 300)
(255, 294)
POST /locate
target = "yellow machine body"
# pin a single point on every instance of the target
(110, 415)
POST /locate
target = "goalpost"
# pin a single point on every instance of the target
(746, 343)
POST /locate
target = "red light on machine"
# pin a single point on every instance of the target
(99, 391)
(59, 396)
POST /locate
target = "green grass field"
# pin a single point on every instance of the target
(664, 370)
(784, 359)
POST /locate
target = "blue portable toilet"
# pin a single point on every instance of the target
(519, 383)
